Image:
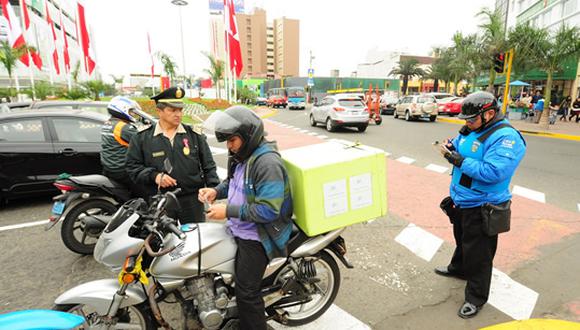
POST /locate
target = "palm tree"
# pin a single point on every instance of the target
(407, 68)
(95, 87)
(118, 82)
(9, 58)
(169, 65)
(464, 58)
(548, 51)
(493, 40)
(215, 71)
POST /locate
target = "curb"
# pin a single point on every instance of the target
(569, 137)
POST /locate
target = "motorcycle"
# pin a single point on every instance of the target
(193, 264)
(85, 207)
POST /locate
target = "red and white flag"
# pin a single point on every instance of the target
(233, 38)
(54, 51)
(15, 35)
(36, 59)
(65, 54)
(151, 56)
(84, 34)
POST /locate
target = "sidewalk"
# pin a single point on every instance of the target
(560, 130)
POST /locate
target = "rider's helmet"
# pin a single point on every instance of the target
(238, 121)
(120, 107)
(476, 104)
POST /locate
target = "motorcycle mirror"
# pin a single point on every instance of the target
(167, 167)
(172, 202)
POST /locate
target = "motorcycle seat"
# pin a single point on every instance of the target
(95, 180)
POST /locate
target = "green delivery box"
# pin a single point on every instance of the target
(336, 184)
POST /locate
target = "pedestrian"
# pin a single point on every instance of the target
(575, 112)
(564, 106)
(484, 156)
(116, 134)
(258, 209)
(538, 109)
(192, 164)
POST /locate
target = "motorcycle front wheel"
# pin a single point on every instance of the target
(324, 290)
(73, 233)
(137, 317)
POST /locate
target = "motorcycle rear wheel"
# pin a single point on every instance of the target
(327, 271)
(133, 317)
(72, 223)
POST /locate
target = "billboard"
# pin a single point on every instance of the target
(218, 6)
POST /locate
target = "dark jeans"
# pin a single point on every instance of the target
(191, 209)
(474, 253)
(574, 114)
(251, 262)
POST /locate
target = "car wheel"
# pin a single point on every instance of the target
(312, 121)
(407, 116)
(432, 118)
(329, 126)
(378, 121)
(362, 128)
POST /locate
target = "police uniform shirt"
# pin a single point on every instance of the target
(179, 130)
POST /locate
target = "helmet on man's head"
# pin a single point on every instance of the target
(119, 107)
(477, 103)
(237, 121)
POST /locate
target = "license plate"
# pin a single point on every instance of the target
(58, 208)
(424, 115)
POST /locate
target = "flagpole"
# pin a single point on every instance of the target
(65, 45)
(30, 73)
(227, 55)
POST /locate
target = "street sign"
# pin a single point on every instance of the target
(310, 82)
(310, 73)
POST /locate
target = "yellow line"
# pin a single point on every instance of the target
(535, 324)
(523, 131)
(268, 115)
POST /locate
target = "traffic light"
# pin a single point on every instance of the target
(498, 62)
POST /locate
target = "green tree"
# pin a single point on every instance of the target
(95, 88)
(492, 40)
(75, 72)
(406, 69)
(215, 71)
(464, 55)
(42, 89)
(9, 57)
(547, 51)
(169, 65)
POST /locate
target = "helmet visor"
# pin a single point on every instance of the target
(222, 124)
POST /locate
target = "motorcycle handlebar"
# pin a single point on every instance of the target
(172, 228)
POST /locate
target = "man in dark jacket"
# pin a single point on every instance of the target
(192, 164)
(258, 209)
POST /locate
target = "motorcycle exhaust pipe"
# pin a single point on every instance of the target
(95, 224)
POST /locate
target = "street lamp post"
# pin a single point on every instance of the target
(181, 3)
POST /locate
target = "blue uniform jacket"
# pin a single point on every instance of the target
(490, 165)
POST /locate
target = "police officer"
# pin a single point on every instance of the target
(187, 150)
(484, 156)
(116, 134)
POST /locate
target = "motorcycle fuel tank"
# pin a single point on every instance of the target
(218, 251)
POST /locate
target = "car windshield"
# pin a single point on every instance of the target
(351, 103)
(442, 96)
(296, 93)
(425, 99)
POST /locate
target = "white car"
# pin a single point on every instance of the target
(340, 111)
(417, 106)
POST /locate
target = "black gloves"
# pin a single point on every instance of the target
(454, 158)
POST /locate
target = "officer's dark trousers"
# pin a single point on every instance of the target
(191, 209)
(473, 256)
(251, 262)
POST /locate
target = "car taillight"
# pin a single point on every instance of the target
(338, 109)
(367, 109)
(63, 187)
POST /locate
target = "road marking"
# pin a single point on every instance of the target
(511, 297)
(334, 318)
(406, 160)
(218, 151)
(24, 225)
(437, 168)
(419, 241)
(530, 194)
(323, 137)
(578, 207)
(222, 173)
(210, 136)
(297, 128)
(304, 131)
(313, 133)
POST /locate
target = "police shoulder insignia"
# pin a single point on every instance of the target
(475, 146)
(197, 129)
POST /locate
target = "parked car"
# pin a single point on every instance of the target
(388, 104)
(261, 101)
(14, 106)
(417, 106)
(339, 111)
(451, 106)
(37, 146)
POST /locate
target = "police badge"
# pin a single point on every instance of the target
(475, 146)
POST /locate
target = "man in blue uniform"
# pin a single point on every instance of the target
(484, 156)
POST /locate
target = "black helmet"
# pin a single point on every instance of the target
(476, 104)
(238, 121)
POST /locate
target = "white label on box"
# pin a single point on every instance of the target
(335, 199)
(361, 191)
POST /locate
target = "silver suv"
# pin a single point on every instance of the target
(417, 106)
(340, 111)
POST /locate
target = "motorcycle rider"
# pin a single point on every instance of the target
(115, 137)
(259, 205)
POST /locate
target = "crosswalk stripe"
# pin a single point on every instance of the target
(313, 133)
(511, 297)
(529, 194)
(406, 160)
(436, 168)
(419, 241)
(334, 318)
